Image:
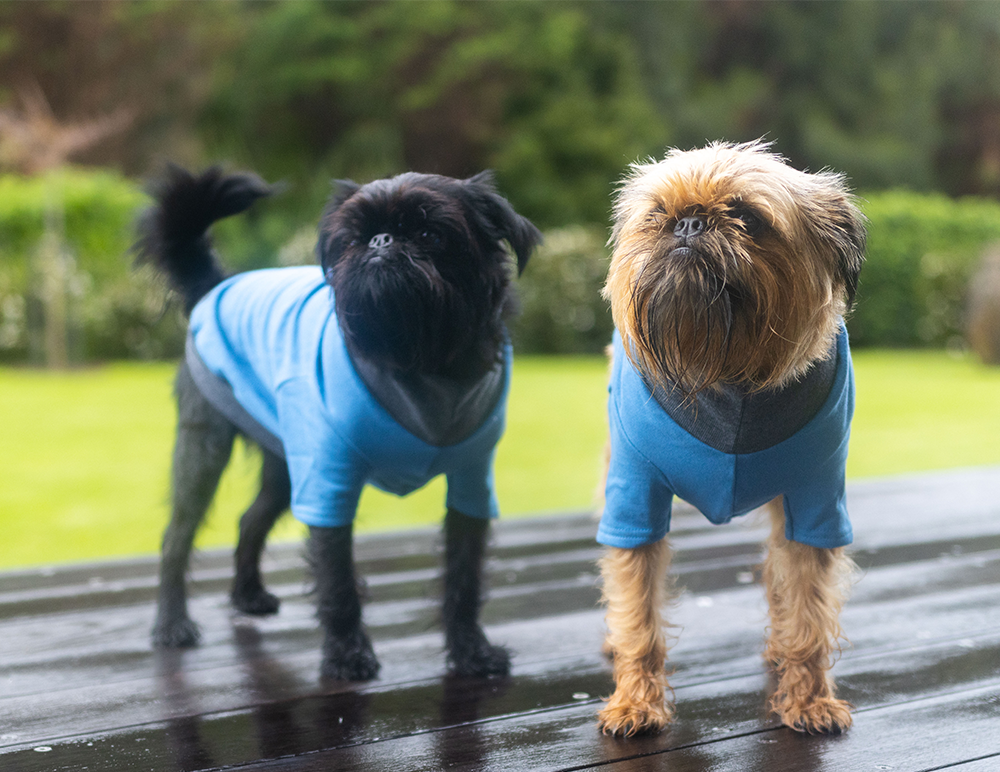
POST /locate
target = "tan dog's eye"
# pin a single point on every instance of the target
(657, 215)
(751, 221)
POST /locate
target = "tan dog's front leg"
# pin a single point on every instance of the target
(806, 588)
(635, 592)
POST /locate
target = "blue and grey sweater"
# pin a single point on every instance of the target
(729, 452)
(265, 348)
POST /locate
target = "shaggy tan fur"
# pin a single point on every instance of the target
(673, 314)
(755, 300)
(806, 588)
(635, 593)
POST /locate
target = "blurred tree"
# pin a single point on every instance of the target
(147, 60)
(558, 97)
(33, 141)
(895, 94)
(546, 94)
(968, 156)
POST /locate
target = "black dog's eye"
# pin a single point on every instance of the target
(431, 237)
(752, 223)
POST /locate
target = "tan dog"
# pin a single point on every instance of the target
(731, 388)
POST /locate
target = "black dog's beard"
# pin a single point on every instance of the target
(402, 313)
(420, 273)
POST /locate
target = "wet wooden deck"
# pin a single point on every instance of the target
(81, 689)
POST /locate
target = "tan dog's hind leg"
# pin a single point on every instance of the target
(635, 592)
(806, 588)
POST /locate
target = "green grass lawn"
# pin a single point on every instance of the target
(85, 455)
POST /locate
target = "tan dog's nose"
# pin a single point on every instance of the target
(689, 227)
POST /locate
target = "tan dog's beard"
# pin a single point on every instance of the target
(683, 312)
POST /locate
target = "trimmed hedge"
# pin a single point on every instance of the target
(87, 217)
(922, 251)
(562, 310)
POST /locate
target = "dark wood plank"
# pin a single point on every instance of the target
(721, 726)
(989, 763)
(78, 675)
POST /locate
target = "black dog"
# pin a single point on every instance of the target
(404, 364)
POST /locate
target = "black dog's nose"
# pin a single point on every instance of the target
(687, 227)
(381, 241)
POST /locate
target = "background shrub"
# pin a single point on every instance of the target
(562, 310)
(922, 250)
(113, 311)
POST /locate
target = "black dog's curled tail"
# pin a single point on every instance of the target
(173, 233)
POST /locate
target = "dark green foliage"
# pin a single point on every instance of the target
(547, 94)
(922, 249)
(562, 310)
(113, 311)
(893, 94)
(558, 98)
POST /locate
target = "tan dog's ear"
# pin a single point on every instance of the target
(842, 229)
(852, 251)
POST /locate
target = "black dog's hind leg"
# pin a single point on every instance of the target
(469, 652)
(248, 594)
(204, 444)
(347, 650)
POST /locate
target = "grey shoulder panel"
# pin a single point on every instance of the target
(736, 419)
(219, 393)
(440, 411)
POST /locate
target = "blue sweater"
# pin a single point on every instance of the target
(272, 337)
(653, 459)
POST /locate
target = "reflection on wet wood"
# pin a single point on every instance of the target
(80, 688)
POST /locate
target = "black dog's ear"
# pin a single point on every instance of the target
(503, 222)
(342, 190)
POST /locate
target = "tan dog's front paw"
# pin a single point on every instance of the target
(821, 715)
(625, 718)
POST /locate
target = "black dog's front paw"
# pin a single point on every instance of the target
(254, 600)
(471, 655)
(349, 658)
(177, 633)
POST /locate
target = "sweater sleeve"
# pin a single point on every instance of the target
(638, 500)
(327, 474)
(471, 489)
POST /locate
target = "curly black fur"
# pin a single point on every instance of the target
(173, 233)
(433, 299)
(347, 650)
(469, 653)
(430, 295)
(202, 450)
